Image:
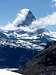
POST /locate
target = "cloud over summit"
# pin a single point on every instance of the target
(45, 21)
(42, 22)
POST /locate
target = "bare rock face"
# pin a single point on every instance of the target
(44, 64)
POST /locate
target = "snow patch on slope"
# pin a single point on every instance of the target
(5, 72)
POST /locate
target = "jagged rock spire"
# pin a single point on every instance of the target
(25, 17)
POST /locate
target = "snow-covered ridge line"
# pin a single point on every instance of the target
(30, 44)
(24, 29)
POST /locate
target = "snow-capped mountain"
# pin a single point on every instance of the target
(20, 32)
(22, 39)
(25, 17)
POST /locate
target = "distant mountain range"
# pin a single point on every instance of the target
(21, 34)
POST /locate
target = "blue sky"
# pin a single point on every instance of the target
(9, 8)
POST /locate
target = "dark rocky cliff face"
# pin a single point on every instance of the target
(29, 18)
(44, 64)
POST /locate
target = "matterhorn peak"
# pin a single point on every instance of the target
(24, 17)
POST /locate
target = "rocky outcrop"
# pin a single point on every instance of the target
(43, 64)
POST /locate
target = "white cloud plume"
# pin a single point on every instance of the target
(21, 16)
(45, 21)
(53, 3)
(53, 0)
(39, 23)
(9, 26)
